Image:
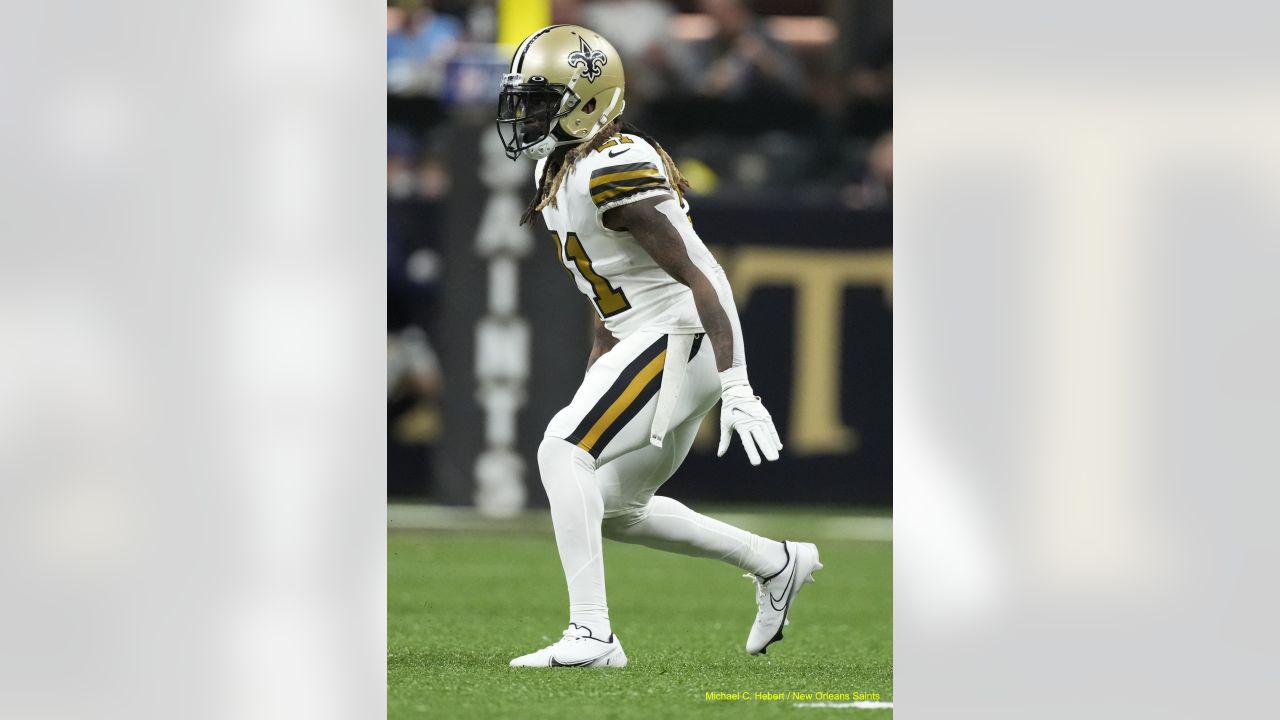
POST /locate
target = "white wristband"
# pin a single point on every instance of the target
(733, 377)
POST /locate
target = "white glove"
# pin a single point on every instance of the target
(741, 410)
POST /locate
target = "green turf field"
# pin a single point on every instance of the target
(463, 601)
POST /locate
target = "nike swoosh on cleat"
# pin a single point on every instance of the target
(613, 154)
(582, 663)
(786, 590)
(557, 663)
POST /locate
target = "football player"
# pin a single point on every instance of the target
(668, 345)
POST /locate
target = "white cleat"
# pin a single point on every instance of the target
(578, 648)
(775, 595)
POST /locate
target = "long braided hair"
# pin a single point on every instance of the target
(545, 193)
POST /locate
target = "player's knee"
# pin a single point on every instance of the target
(556, 458)
(551, 451)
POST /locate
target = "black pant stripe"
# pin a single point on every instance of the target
(697, 345)
(615, 390)
(650, 390)
(636, 406)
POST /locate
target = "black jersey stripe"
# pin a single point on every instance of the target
(615, 391)
(614, 199)
(611, 190)
(630, 167)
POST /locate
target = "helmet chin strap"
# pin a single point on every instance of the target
(542, 148)
(548, 144)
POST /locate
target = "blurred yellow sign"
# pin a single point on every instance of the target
(517, 19)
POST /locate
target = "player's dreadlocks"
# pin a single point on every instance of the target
(546, 191)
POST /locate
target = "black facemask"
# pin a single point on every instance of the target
(525, 115)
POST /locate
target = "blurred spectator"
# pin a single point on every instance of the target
(419, 41)
(875, 189)
(874, 78)
(417, 185)
(414, 271)
(413, 368)
(741, 60)
(401, 151)
(641, 31)
(414, 384)
(870, 92)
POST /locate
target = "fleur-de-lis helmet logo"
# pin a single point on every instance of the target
(589, 59)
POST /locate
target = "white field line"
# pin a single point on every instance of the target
(438, 517)
(857, 704)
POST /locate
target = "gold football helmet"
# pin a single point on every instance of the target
(564, 84)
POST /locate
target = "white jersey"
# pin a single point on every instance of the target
(628, 290)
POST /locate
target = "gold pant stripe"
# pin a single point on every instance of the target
(624, 400)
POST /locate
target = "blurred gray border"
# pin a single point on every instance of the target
(1085, 353)
(191, 301)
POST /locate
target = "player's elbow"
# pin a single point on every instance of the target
(703, 289)
(684, 279)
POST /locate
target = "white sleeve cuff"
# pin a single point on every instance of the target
(733, 377)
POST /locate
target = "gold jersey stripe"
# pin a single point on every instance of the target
(606, 195)
(597, 182)
(622, 168)
(628, 396)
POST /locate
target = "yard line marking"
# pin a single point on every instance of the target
(858, 704)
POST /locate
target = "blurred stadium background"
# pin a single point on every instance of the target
(779, 112)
